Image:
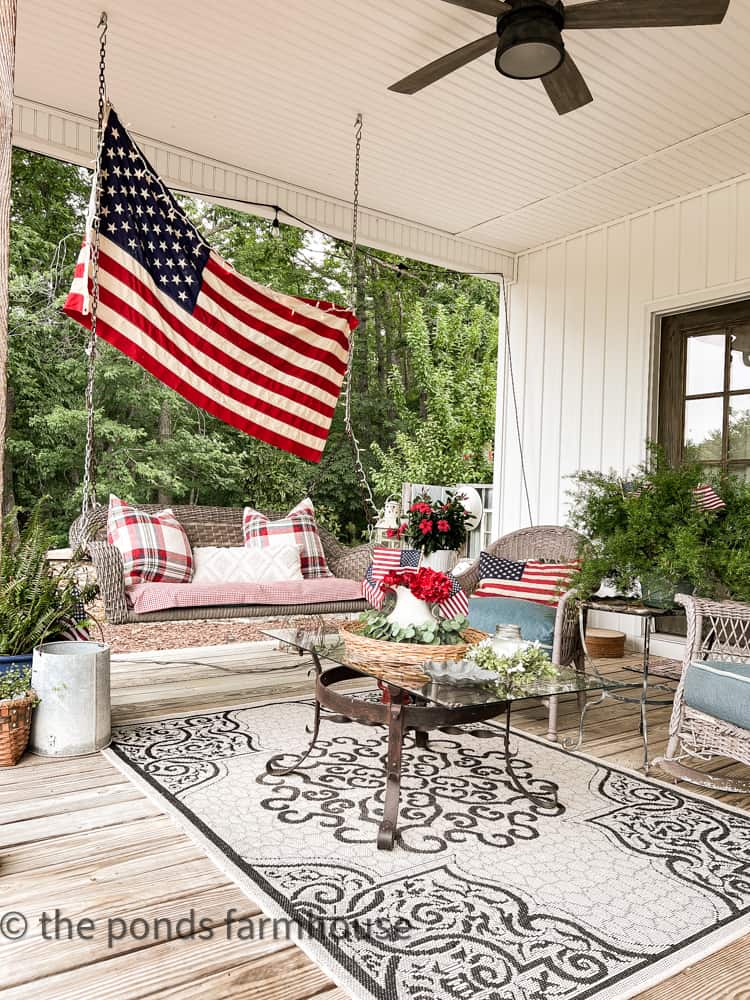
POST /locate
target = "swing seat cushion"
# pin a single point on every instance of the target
(297, 528)
(154, 547)
(146, 598)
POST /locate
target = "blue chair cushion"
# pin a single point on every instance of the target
(720, 689)
(536, 621)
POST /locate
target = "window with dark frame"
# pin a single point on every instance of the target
(704, 388)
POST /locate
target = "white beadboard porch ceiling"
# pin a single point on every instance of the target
(273, 87)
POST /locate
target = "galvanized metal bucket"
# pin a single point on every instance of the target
(73, 717)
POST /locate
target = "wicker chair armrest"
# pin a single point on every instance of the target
(353, 562)
(110, 576)
(469, 580)
(567, 646)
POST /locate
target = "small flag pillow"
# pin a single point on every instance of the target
(154, 547)
(297, 528)
(531, 580)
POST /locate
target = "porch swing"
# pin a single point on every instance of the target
(207, 526)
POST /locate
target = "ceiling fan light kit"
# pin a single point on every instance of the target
(530, 40)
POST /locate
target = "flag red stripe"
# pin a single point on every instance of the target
(282, 337)
(193, 395)
(112, 266)
(249, 291)
(108, 298)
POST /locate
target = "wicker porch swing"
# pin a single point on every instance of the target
(203, 525)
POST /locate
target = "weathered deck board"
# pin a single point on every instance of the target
(78, 836)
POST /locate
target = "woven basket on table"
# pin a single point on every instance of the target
(15, 727)
(400, 661)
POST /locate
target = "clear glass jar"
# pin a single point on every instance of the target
(508, 640)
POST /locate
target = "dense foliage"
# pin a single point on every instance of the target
(34, 604)
(424, 374)
(650, 528)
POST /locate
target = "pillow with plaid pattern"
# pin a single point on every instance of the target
(154, 547)
(297, 528)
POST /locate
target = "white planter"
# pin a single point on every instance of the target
(443, 560)
(73, 715)
(410, 610)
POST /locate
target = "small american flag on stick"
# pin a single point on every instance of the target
(705, 497)
(270, 364)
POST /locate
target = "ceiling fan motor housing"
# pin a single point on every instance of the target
(530, 34)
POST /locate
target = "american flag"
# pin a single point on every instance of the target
(407, 561)
(270, 364)
(530, 580)
(384, 560)
(77, 629)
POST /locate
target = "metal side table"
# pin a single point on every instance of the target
(649, 616)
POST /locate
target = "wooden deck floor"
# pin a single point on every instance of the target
(77, 836)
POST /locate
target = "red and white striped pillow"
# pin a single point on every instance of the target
(540, 582)
(297, 528)
(154, 547)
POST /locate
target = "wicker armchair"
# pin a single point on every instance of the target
(549, 543)
(715, 631)
(207, 526)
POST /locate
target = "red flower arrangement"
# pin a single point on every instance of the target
(435, 525)
(426, 584)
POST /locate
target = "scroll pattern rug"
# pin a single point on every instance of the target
(485, 895)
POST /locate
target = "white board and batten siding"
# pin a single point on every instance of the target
(584, 331)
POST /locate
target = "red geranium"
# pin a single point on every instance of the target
(435, 525)
(425, 526)
(429, 585)
(443, 526)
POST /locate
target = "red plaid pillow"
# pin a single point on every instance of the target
(298, 527)
(154, 547)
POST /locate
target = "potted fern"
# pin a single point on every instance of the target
(34, 604)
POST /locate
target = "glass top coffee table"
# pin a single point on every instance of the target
(417, 707)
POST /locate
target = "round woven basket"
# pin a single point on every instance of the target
(400, 661)
(605, 643)
(15, 727)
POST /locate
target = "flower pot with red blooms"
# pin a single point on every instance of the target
(416, 595)
(438, 529)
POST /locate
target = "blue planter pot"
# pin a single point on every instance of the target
(15, 662)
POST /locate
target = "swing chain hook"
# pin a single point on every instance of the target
(89, 468)
(368, 503)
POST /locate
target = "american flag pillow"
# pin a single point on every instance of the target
(154, 547)
(297, 528)
(531, 580)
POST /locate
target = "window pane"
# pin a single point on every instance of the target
(704, 420)
(705, 364)
(740, 371)
(741, 471)
(739, 427)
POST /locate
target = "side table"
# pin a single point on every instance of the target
(648, 615)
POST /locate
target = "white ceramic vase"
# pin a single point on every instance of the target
(442, 561)
(410, 610)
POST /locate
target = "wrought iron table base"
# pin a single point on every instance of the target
(400, 718)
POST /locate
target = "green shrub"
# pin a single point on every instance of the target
(34, 604)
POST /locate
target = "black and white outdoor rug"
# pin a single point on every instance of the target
(484, 896)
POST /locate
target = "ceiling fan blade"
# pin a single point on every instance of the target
(445, 64)
(566, 88)
(492, 7)
(645, 13)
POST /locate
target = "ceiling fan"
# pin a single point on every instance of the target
(529, 43)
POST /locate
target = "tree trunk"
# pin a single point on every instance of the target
(8, 495)
(165, 433)
(7, 65)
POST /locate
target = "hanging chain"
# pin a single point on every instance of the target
(89, 467)
(368, 502)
